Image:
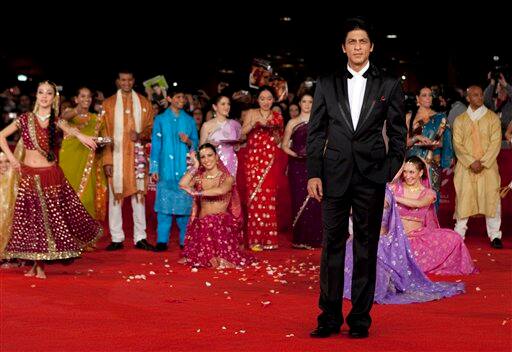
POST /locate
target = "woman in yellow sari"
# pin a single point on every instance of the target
(82, 166)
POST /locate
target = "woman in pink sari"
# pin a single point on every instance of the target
(436, 250)
(214, 233)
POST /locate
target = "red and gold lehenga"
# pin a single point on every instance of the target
(49, 221)
(262, 144)
(215, 239)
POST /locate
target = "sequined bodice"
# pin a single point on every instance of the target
(30, 129)
(416, 214)
(213, 199)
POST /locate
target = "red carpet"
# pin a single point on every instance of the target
(90, 306)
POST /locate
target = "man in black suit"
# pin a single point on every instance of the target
(348, 167)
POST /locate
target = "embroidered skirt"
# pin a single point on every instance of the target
(215, 237)
(49, 220)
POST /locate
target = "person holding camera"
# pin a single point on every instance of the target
(498, 98)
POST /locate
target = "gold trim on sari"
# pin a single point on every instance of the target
(260, 182)
(33, 135)
(301, 210)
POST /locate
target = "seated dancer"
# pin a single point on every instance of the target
(436, 250)
(214, 234)
(399, 279)
(49, 221)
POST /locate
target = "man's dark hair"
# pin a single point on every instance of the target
(357, 23)
(125, 70)
(174, 91)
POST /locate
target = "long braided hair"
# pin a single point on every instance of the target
(52, 125)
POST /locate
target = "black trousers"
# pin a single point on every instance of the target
(366, 199)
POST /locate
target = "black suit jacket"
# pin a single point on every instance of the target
(335, 147)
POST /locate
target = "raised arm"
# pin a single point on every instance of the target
(425, 201)
(69, 113)
(224, 188)
(248, 123)
(508, 134)
(85, 140)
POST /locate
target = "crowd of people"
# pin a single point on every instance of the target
(194, 149)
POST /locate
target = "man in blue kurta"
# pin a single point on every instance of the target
(174, 134)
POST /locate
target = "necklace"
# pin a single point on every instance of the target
(303, 119)
(413, 189)
(261, 114)
(43, 118)
(211, 177)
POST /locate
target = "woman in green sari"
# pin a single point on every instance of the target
(82, 166)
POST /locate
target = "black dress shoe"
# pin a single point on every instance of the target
(324, 331)
(496, 243)
(143, 244)
(182, 246)
(358, 333)
(160, 247)
(114, 246)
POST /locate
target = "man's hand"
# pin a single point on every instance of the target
(476, 166)
(315, 188)
(502, 81)
(134, 136)
(184, 138)
(108, 170)
(491, 80)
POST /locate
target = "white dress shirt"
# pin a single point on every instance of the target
(356, 87)
(477, 114)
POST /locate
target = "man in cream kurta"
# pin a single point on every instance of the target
(128, 121)
(477, 142)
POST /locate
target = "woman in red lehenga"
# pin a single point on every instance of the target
(264, 129)
(214, 233)
(49, 221)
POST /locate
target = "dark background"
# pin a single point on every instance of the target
(190, 44)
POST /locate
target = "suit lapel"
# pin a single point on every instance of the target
(370, 94)
(342, 97)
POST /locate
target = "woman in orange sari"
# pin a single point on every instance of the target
(264, 129)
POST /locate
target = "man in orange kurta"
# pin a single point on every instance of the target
(128, 121)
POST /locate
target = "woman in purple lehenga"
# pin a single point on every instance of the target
(307, 213)
(214, 233)
(399, 279)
